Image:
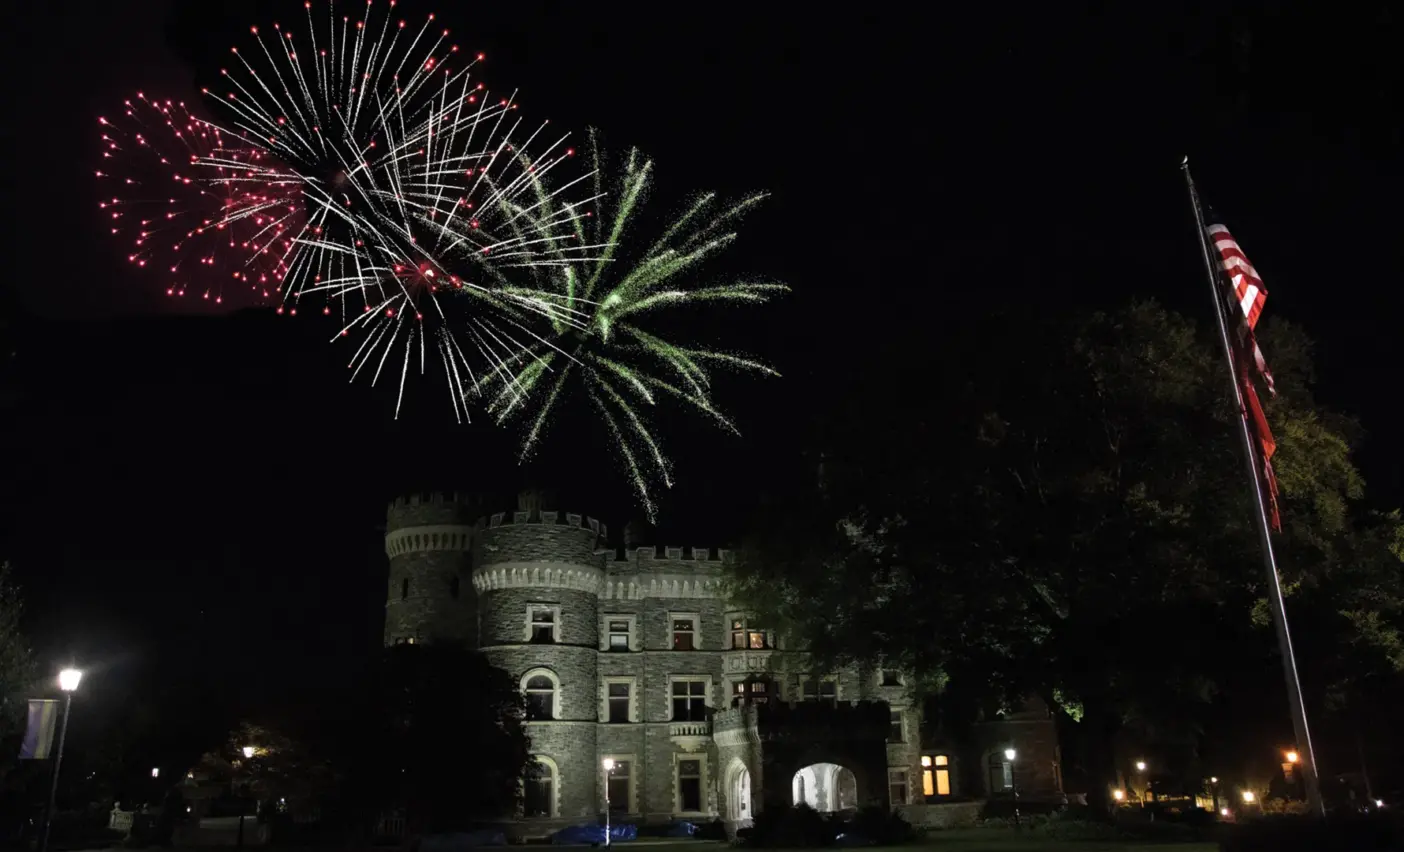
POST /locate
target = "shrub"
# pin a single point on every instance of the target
(798, 827)
(881, 826)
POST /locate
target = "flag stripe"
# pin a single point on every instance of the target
(39, 732)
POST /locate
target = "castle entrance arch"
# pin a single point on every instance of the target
(738, 792)
(825, 787)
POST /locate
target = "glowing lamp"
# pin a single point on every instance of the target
(1010, 754)
(1249, 797)
(1292, 757)
(608, 764)
(1223, 811)
(248, 751)
(155, 772)
(69, 679)
(1119, 795)
(1140, 766)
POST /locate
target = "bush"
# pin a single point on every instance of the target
(798, 827)
(881, 826)
(1374, 832)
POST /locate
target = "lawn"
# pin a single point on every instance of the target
(985, 840)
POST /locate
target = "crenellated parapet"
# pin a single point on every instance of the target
(431, 509)
(534, 537)
(665, 572)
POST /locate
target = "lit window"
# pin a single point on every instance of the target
(689, 700)
(539, 798)
(618, 702)
(751, 692)
(540, 692)
(684, 634)
(935, 775)
(619, 787)
(543, 625)
(689, 786)
(822, 690)
(895, 734)
(897, 786)
(891, 677)
(743, 637)
(619, 635)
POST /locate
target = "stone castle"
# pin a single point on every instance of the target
(635, 659)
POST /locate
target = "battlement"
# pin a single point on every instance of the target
(431, 509)
(669, 558)
(430, 497)
(543, 518)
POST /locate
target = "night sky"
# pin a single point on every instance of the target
(195, 498)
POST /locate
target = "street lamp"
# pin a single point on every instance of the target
(1140, 766)
(68, 681)
(1249, 797)
(608, 764)
(1009, 755)
(248, 752)
(1292, 757)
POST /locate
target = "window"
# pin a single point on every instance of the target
(540, 789)
(891, 677)
(895, 734)
(618, 699)
(689, 786)
(684, 633)
(816, 689)
(744, 637)
(897, 786)
(689, 700)
(1001, 773)
(404, 589)
(619, 635)
(752, 692)
(619, 789)
(453, 587)
(542, 621)
(540, 689)
(405, 640)
(935, 775)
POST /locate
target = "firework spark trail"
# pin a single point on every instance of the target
(414, 183)
(214, 231)
(599, 307)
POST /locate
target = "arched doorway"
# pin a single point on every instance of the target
(825, 787)
(738, 792)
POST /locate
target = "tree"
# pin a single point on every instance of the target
(1072, 520)
(17, 668)
(269, 765)
(442, 739)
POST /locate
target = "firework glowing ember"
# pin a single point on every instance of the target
(206, 233)
(621, 365)
(420, 191)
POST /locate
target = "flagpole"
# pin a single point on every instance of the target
(1274, 584)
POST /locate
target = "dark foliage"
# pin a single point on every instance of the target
(1378, 831)
(442, 741)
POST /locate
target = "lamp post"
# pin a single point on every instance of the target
(1009, 755)
(1214, 791)
(68, 680)
(248, 752)
(1145, 785)
(608, 764)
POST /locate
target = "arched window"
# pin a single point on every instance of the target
(404, 588)
(1001, 773)
(542, 690)
(540, 787)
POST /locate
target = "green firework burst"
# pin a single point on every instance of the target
(600, 337)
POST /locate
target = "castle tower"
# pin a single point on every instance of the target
(429, 540)
(538, 576)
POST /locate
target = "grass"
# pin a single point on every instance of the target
(994, 840)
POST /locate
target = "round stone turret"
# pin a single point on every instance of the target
(429, 540)
(538, 576)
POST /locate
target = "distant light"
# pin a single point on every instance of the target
(155, 772)
(1010, 754)
(608, 763)
(1118, 795)
(1214, 780)
(1249, 797)
(1379, 803)
(1292, 757)
(1140, 766)
(69, 678)
(1223, 811)
(248, 751)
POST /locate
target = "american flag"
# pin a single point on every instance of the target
(1246, 290)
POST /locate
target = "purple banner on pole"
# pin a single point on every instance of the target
(39, 734)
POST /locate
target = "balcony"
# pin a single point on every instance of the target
(690, 736)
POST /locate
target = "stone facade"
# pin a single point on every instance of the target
(637, 657)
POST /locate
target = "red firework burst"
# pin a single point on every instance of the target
(215, 233)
